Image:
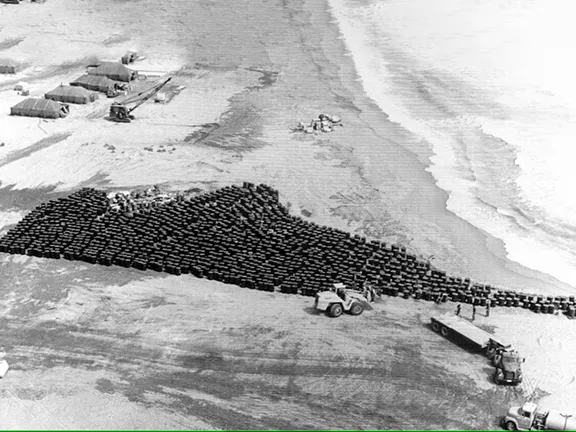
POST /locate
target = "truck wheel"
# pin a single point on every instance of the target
(335, 310)
(435, 326)
(356, 309)
(444, 331)
(510, 425)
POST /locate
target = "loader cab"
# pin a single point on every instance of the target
(341, 293)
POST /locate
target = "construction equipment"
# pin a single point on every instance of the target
(338, 300)
(119, 111)
(130, 57)
(117, 90)
(530, 416)
(506, 360)
(508, 364)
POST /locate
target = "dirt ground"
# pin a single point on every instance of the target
(109, 348)
(94, 347)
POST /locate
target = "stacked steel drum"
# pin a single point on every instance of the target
(242, 235)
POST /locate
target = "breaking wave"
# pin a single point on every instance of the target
(495, 100)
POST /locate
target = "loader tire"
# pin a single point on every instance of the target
(356, 309)
(444, 331)
(335, 310)
(511, 426)
(436, 326)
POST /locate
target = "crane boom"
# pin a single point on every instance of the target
(119, 111)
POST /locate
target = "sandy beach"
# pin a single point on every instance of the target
(256, 71)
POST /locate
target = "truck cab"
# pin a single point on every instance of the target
(520, 417)
(508, 364)
(533, 417)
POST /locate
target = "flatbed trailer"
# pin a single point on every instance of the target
(449, 325)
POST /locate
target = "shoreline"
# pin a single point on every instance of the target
(475, 250)
(385, 164)
(244, 357)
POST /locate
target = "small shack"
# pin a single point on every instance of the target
(71, 94)
(22, 87)
(115, 71)
(42, 108)
(94, 83)
(8, 66)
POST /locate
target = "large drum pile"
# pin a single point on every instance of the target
(243, 236)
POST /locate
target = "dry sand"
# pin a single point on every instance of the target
(144, 351)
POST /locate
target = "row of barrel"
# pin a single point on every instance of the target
(242, 235)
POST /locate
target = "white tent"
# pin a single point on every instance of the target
(3, 368)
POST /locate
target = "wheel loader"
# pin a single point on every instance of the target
(338, 300)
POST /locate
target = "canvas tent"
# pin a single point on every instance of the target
(70, 94)
(94, 83)
(8, 66)
(43, 108)
(115, 71)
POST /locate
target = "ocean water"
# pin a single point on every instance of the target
(490, 85)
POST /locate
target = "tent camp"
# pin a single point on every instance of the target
(115, 71)
(94, 82)
(70, 94)
(43, 108)
(8, 66)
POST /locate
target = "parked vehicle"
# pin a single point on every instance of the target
(507, 361)
(339, 299)
(531, 416)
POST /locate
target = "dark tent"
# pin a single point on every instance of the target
(78, 95)
(44, 108)
(8, 67)
(94, 82)
(97, 63)
(115, 71)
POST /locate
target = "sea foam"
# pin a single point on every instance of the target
(489, 86)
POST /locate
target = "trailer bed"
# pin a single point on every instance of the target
(464, 328)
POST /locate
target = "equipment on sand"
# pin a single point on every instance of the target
(530, 416)
(119, 111)
(508, 364)
(131, 57)
(507, 361)
(338, 300)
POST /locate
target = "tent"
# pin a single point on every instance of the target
(115, 71)
(8, 67)
(43, 108)
(94, 82)
(77, 94)
(3, 368)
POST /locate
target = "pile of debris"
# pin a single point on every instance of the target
(169, 94)
(144, 200)
(324, 123)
